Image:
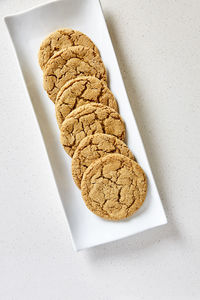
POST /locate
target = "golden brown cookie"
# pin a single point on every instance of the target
(93, 147)
(114, 187)
(80, 91)
(60, 39)
(68, 64)
(90, 119)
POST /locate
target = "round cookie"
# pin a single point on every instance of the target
(90, 119)
(60, 39)
(68, 64)
(80, 91)
(114, 187)
(93, 147)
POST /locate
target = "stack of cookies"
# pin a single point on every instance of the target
(92, 132)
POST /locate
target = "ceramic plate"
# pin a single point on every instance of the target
(27, 30)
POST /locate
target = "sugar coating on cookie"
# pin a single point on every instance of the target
(93, 147)
(90, 119)
(60, 39)
(80, 91)
(68, 64)
(114, 187)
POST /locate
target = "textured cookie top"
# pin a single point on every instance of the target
(80, 91)
(90, 119)
(60, 39)
(93, 147)
(68, 64)
(114, 187)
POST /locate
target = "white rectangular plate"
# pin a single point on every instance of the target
(27, 30)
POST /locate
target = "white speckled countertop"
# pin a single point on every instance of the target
(157, 44)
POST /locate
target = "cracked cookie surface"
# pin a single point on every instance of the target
(80, 91)
(114, 187)
(90, 119)
(93, 147)
(69, 63)
(60, 39)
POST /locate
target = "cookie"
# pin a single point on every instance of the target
(90, 119)
(114, 187)
(93, 147)
(60, 39)
(80, 91)
(68, 64)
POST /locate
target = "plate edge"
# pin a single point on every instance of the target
(28, 10)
